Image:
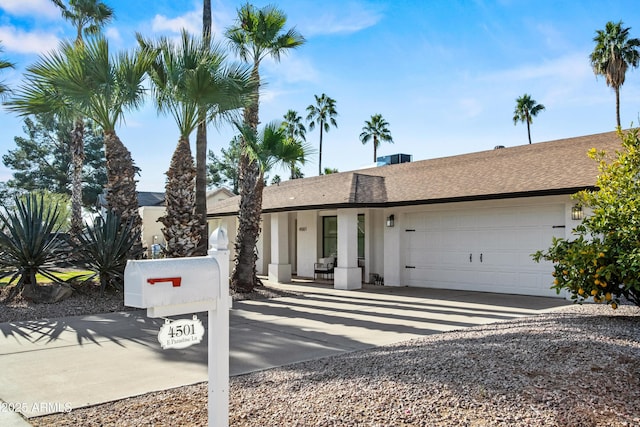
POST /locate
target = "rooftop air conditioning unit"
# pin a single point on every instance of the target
(394, 159)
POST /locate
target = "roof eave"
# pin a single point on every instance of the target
(471, 198)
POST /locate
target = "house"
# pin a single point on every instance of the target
(466, 222)
(152, 207)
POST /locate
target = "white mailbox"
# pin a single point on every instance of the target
(172, 285)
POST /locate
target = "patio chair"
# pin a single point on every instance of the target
(324, 267)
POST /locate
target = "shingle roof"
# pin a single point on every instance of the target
(555, 167)
(149, 198)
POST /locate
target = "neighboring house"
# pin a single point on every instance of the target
(467, 222)
(152, 207)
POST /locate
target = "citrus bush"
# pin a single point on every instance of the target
(603, 260)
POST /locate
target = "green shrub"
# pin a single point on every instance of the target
(603, 261)
(103, 248)
(30, 243)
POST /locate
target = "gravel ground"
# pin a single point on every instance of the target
(577, 366)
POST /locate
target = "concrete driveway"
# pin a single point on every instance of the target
(54, 365)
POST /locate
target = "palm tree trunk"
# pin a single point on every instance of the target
(201, 151)
(251, 111)
(375, 148)
(320, 152)
(77, 156)
(122, 196)
(529, 131)
(206, 20)
(244, 277)
(182, 230)
(201, 185)
(618, 105)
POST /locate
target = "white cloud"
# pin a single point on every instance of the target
(191, 21)
(16, 40)
(268, 95)
(570, 67)
(349, 18)
(291, 69)
(113, 34)
(31, 7)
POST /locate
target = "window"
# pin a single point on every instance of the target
(361, 236)
(330, 236)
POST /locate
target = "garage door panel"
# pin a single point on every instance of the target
(505, 237)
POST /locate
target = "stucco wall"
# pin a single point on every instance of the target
(307, 242)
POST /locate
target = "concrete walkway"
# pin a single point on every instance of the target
(53, 365)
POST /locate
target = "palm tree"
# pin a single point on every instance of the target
(190, 81)
(4, 89)
(526, 109)
(201, 148)
(613, 54)
(263, 150)
(258, 33)
(89, 81)
(88, 17)
(377, 129)
(271, 147)
(323, 113)
(296, 132)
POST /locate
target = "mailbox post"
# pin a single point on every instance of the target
(174, 286)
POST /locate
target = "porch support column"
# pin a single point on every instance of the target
(347, 275)
(280, 268)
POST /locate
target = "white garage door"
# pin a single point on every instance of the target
(485, 249)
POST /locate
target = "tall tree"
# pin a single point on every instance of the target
(257, 33)
(614, 53)
(224, 170)
(377, 129)
(88, 17)
(190, 80)
(526, 109)
(42, 159)
(296, 132)
(323, 113)
(271, 147)
(91, 82)
(4, 89)
(201, 148)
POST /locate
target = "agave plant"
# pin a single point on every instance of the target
(104, 248)
(30, 244)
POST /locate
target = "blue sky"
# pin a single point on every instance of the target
(444, 74)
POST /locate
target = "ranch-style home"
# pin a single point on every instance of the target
(467, 222)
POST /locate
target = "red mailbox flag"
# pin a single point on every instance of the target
(175, 281)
